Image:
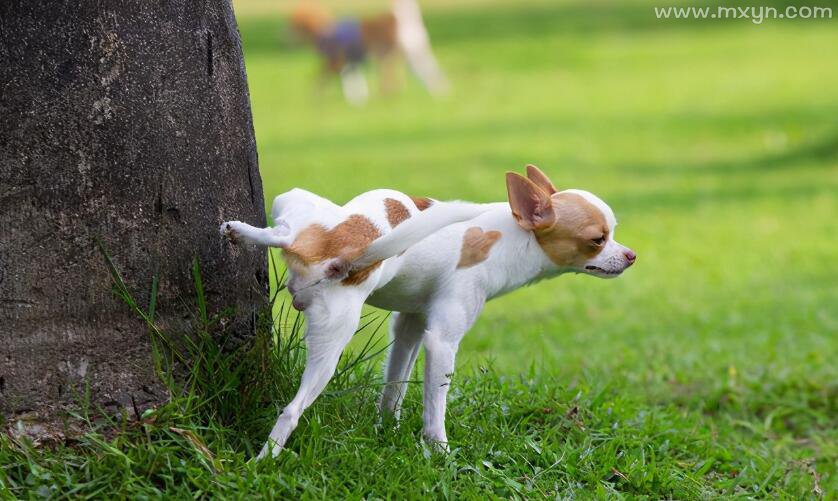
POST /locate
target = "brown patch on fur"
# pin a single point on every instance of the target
(396, 211)
(294, 262)
(568, 241)
(347, 240)
(358, 276)
(422, 203)
(476, 246)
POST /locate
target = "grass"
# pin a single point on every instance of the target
(707, 370)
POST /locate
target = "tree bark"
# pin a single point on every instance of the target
(127, 122)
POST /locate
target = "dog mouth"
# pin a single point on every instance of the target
(601, 271)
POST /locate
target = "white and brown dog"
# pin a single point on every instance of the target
(434, 264)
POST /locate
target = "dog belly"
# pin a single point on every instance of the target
(419, 273)
(399, 295)
(394, 299)
(412, 283)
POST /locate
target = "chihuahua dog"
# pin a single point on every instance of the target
(434, 264)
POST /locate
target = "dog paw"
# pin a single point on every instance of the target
(437, 445)
(270, 449)
(228, 230)
(263, 453)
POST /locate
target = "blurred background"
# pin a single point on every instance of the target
(714, 141)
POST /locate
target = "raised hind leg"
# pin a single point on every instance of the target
(237, 231)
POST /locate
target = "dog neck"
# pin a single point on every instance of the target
(517, 259)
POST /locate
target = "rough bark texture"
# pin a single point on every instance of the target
(129, 122)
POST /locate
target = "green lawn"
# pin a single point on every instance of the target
(708, 369)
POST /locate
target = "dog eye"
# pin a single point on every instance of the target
(598, 241)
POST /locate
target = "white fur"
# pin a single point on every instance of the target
(436, 302)
(410, 232)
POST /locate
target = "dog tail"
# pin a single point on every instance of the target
(413, 230)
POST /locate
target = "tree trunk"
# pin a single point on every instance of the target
(127, 122)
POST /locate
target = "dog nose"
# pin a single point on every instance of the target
(631, 257)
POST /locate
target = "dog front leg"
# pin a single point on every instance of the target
(440, 354)
(331, 322)
(446, 327)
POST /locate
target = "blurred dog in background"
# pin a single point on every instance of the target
(345, 44)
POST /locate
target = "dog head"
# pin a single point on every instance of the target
(306, 281)
(574, 228)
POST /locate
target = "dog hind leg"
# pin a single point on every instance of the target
(406, 330)
(331, 322)
(277, 236)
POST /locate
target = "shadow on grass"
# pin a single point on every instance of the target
(690, 199)
(821, 155)
(506, 127)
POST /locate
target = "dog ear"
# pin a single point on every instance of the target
(531, 206)
(540, 179)
(337, 269)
